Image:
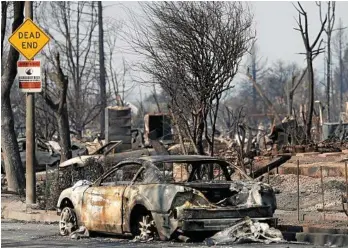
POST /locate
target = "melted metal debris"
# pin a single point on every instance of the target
(246, 231)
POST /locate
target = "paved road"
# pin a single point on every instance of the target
(19, 234)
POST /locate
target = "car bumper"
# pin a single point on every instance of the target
(200, 225)
(203, 219)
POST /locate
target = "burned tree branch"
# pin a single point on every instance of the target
(311, 52)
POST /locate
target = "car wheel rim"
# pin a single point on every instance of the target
(146, 227)
(67, 222)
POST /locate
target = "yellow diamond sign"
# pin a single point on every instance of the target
(29, 39)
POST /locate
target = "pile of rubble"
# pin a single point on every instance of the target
(310, 192)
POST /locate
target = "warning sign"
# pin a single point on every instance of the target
(28, 39)
(29, 76)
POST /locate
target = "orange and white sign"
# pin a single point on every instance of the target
(29, 76)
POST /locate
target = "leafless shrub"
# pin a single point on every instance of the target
(193, 50)
(57, 181)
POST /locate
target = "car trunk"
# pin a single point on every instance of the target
(242, 194)
(214, 192)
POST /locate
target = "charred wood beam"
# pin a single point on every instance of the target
(272, 165)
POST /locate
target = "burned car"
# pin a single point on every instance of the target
(46, 153)
(166, 196)
(96, 155)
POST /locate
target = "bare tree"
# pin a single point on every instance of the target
(71, 26)
(59, 107)
(328, 28)
(193, 50)
(256, 71)
(13, 164)
(311, 51)
(117, 75)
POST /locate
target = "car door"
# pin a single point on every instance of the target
(103, 203)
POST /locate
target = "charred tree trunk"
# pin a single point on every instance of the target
(61, 111)
(310, 96)
(102, 73)
(64, 134)
(4, 5)
(13, 164)
(199, 138)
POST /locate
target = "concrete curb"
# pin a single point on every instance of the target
(315, 235)
(322, 239)
(35, 216)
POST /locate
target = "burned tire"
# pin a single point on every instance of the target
(143, 226)
(67, 222)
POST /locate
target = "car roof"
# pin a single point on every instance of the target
(180, 158)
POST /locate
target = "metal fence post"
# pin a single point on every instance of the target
(46, 188)
(298, 190)
(322, 190)
(346, 170)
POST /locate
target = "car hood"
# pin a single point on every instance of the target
(80, 160)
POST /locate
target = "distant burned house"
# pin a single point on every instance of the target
(287, 132)
(158, 127)
(118, 126)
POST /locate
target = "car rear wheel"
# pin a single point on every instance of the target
(68, 221)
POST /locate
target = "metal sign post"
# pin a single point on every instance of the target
(30, 192)
(29, 39)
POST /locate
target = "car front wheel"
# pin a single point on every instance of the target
(68, 221)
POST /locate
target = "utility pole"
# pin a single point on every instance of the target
(45, 106)
(253, 71)
(340, 34)
(102, 73)
(30, 132)
(328, 30)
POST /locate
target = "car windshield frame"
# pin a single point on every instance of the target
(151, 165)
(196, 164)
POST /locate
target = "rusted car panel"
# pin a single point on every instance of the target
(101, 209)
(114, 203)
(81, 161)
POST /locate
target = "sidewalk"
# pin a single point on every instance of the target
(13, 207)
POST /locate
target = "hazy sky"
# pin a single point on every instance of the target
(274, 23)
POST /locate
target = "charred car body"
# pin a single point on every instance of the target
(47, 153)
(167, 195)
